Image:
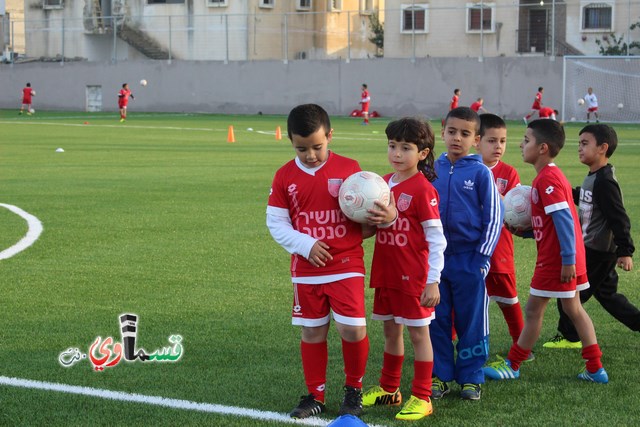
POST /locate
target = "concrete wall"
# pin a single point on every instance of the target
(398, 86)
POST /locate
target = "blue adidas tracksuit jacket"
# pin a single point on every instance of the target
(471, 212)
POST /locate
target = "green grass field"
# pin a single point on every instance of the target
(162, 217)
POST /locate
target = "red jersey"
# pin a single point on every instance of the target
(537, 102)
(506, 178)
(454, 102)
(476, 106)
(546, 112)
(365, 98)
(550, 192)
(123, 97)
(400, 259)
(27, 93)
(311, 199)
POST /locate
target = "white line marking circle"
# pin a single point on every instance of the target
(34, 231)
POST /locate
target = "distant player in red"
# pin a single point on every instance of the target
(548, 113)
(407, 262)
(478, 106)
(501, 280)
(27, 94)
(560, 270)
(535, 108)
(327, 265)
(365, 99)
(123, 100)
(454, 99)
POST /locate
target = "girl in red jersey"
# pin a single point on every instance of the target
(408, 259)
(123, 100)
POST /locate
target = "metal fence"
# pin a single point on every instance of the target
(551, 28)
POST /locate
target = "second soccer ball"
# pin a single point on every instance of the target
(143, 82)
(580, 101)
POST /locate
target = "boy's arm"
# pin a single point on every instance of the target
(563, 222)
(575, 192)
(608, 198)
(492, 217)
(282, 231)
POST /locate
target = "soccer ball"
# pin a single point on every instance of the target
(33, 93)
(620, 106)
(359, 192)
(32, 111)
(580, 101)
(517, 207)
(143, 82)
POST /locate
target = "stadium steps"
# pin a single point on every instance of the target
(142, 42)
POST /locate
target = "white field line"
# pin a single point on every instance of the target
(162, 401)
(33, 232)
(127, 126)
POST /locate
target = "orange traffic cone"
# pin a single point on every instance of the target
(278, 133)
(230, 136)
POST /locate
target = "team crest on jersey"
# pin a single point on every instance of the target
(501, 183)
(334, 186)
(534, 196)
(404, 201)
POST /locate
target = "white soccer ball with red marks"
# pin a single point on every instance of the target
(517, 207)
(359, 192)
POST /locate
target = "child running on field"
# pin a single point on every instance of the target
(560, 269)
(407, 262)
(606, 231)
(327, 266)
(501, 280)
(471, 212)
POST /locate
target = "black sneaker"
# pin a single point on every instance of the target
(308, 407)
(439, 388)
(352, 402)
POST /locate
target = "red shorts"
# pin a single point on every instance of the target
(365, 107)
(592, 109)
(553, 288)
(501, 287)
(312, 303)
(26, 101)
(404, 309)
(122, 104)
(536, 106)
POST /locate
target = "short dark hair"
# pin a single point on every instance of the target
(464, 113)
(540, 88)
(28, 84)
(491, 121)
(548, 132)
(604, 134)
(455, 91)
(306, 119)
(364, 85)
(124, 84)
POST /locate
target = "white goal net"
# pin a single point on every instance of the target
(615, 81)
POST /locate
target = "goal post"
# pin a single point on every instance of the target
(615, 81)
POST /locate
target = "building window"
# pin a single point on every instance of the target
(335, 5)
(217, 3)
(481, 18)
(597, 16)
(52, 4)
(414, 18)
(366, 7)
(303, 4)
(267, 3)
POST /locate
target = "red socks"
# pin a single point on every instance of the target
(592, 354)
(355, 356)
(517, 355)
(515, 322)
(314, 364)
(391, 372)
(421, 386)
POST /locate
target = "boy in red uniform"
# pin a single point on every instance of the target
(405, 273)
(560, 270)
(364, 101)
(327, 266)
(501, 280)
(27, 93)
(548, 113)
(535, 108)
(454, 99)
(123, 100)
(478, 105)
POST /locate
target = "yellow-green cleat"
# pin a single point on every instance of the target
(561, 342)
(415, 409)
(377, 396)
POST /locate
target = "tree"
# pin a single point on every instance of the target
(613, 45)
(377, 28)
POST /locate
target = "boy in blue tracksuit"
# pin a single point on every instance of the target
(471, 212)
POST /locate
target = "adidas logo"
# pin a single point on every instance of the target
(389, 399)
(468, 184)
